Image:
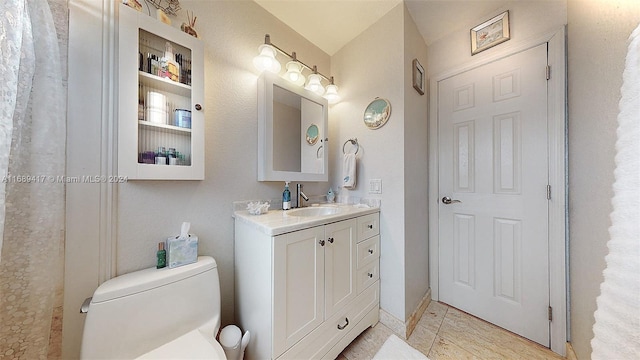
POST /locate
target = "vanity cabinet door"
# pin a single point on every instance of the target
(298, 286)
(340, 265)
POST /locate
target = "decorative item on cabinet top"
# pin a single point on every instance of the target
(170, 7)
(377, 113)
(190, 28)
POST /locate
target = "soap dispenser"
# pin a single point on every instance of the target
(331, 197)
(286, 197)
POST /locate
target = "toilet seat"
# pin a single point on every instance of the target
(192, 345)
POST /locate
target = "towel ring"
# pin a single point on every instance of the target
(318, 152)
(354, 142)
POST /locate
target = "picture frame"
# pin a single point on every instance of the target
(490, 33)
(418, 77)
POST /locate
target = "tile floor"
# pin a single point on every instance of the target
(444, 332)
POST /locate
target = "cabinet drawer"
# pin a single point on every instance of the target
(368, 251)
(367, 276)
(323, 338)
(368, 226)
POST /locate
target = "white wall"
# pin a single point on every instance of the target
(377, 63)
(416, 251)
(371, 66)
(527, 18)
(597, 45)
(149, 211)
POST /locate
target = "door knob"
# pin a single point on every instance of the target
(447, 200)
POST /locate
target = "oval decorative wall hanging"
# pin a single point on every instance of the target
(377, 113)
(312, 134)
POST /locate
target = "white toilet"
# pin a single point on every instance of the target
(156, 314)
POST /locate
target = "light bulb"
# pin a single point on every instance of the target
(314, 84)
(294, 73)
(266, 60)
(332, 94)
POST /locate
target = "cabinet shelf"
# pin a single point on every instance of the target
(166, 128)
(164, 84)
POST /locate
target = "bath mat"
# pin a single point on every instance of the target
(395, 349)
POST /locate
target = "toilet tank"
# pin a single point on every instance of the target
(135, 313)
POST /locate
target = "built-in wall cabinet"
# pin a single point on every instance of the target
(161, 93)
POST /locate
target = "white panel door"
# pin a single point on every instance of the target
(298, 286)
(340, 265)
(493, 165)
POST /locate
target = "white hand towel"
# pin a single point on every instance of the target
(617, 327)
(319, 166)
(349, 171)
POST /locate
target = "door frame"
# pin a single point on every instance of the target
(557, 144)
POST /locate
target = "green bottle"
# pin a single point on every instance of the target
(162, 256)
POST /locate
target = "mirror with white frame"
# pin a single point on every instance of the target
(292, 132)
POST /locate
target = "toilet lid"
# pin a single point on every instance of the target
(192, 345)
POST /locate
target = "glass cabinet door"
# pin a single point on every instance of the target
(161, 119)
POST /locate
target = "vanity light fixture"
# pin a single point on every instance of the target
(332, 93)
(266, 60)
(314, 82)
(294, 71)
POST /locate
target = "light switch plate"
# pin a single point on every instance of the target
(375, 186)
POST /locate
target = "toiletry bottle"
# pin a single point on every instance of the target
(153, 65)
(330, 195)
(169, 68)
(286, 197)
(162, 256)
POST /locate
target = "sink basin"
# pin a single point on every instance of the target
(314, 211)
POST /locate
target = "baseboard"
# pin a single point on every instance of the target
(396, 325)
(404, 329)
(417, 314)
(571, 354)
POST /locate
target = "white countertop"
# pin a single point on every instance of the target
(277, 222)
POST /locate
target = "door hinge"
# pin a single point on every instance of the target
(550, 313)
(548, 72)
(548, 192)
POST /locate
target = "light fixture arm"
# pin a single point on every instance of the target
(293, 57)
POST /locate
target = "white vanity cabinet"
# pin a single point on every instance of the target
(306, 294)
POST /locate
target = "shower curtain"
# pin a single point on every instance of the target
(617, 327)
(32, 164)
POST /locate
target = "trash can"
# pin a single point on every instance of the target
(233, 342)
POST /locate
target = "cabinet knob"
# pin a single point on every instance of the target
(370, 275)
(370, 226)
(321, 242)
(370, 251)
(198, 107)
(345, 325)
(330, 240)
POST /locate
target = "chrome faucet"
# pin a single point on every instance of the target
(300, 194)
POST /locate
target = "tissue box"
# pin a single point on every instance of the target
(181, 251)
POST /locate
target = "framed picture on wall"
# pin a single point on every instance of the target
(418, 77)
(490, 33)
